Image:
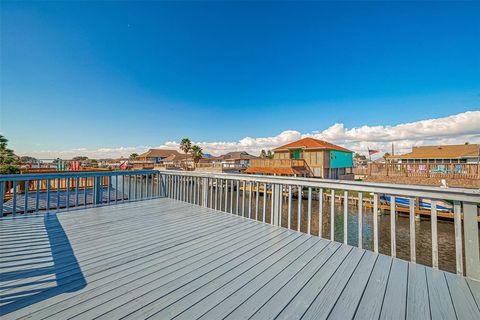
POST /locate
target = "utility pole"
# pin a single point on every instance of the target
(478, 162)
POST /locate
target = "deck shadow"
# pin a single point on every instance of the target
(30, 274)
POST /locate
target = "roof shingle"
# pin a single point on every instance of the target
(311, 143)
(158, 153)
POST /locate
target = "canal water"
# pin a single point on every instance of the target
(445, 229)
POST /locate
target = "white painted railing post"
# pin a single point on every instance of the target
(457, 209)
(98, 190)
(204, 192)
(1, 196)
(277, 198)
(470, 227)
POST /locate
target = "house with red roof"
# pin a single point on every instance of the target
(307, 157)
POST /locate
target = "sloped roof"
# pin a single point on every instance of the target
(311, 143)
(178, 157)
(235, 155)
(158, 153)
(441, 152)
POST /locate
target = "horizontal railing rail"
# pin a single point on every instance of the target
(277, 163)
(271, 199)
(25, 193)
(425, 170)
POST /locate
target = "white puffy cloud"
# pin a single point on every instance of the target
(453, 129)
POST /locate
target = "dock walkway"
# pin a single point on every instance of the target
(165, 259)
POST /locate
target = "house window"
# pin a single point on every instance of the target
(297, 154)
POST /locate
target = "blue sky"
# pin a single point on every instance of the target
(108, 75)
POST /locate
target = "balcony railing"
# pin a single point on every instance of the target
(26, 193)
(271, 200)
(425, 170)
(277, 163)
(314, 206)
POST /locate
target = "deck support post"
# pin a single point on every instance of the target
(98, 190)
(205, 192)
(277, 204)
(470, 226)
(2, 192)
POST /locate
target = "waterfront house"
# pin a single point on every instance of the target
(307, 157)
(178, 161)
(443, 154)
(451, 165)
(455, 161)
(235, 158)
(156, 155)
(233, 162)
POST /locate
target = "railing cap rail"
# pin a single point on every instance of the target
(63, 175)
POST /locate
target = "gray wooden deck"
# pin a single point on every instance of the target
(168, 259)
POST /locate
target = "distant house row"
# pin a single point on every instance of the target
(232, 161)
(236, 161)
(307, 157)
(158, 156)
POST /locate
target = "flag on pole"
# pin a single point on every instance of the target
(124, 165)
(371, 151)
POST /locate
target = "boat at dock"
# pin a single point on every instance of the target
(423, 204)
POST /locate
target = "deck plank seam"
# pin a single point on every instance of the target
(68, 269)
(265, 250)
(363, 291)
(274, 295)
(471, 292)
(146, 245)
(114, 233)
(385, 290)
(333, 274)
(280, 288)
(428, 293)
(225, 253)
(114, 280)
(450, 295)
(310, 279)
(260, 272)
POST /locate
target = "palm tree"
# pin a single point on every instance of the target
(197, 154)
(186, 146)
(133, 156)
(7, 156)
(3, 142)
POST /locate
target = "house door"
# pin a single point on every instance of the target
(297, 154)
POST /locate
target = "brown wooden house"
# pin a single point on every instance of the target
(307, 157)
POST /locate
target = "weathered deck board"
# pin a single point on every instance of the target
(440, 300)
(164, 258)
(61, 199)
(347, 303)
(418, 304)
